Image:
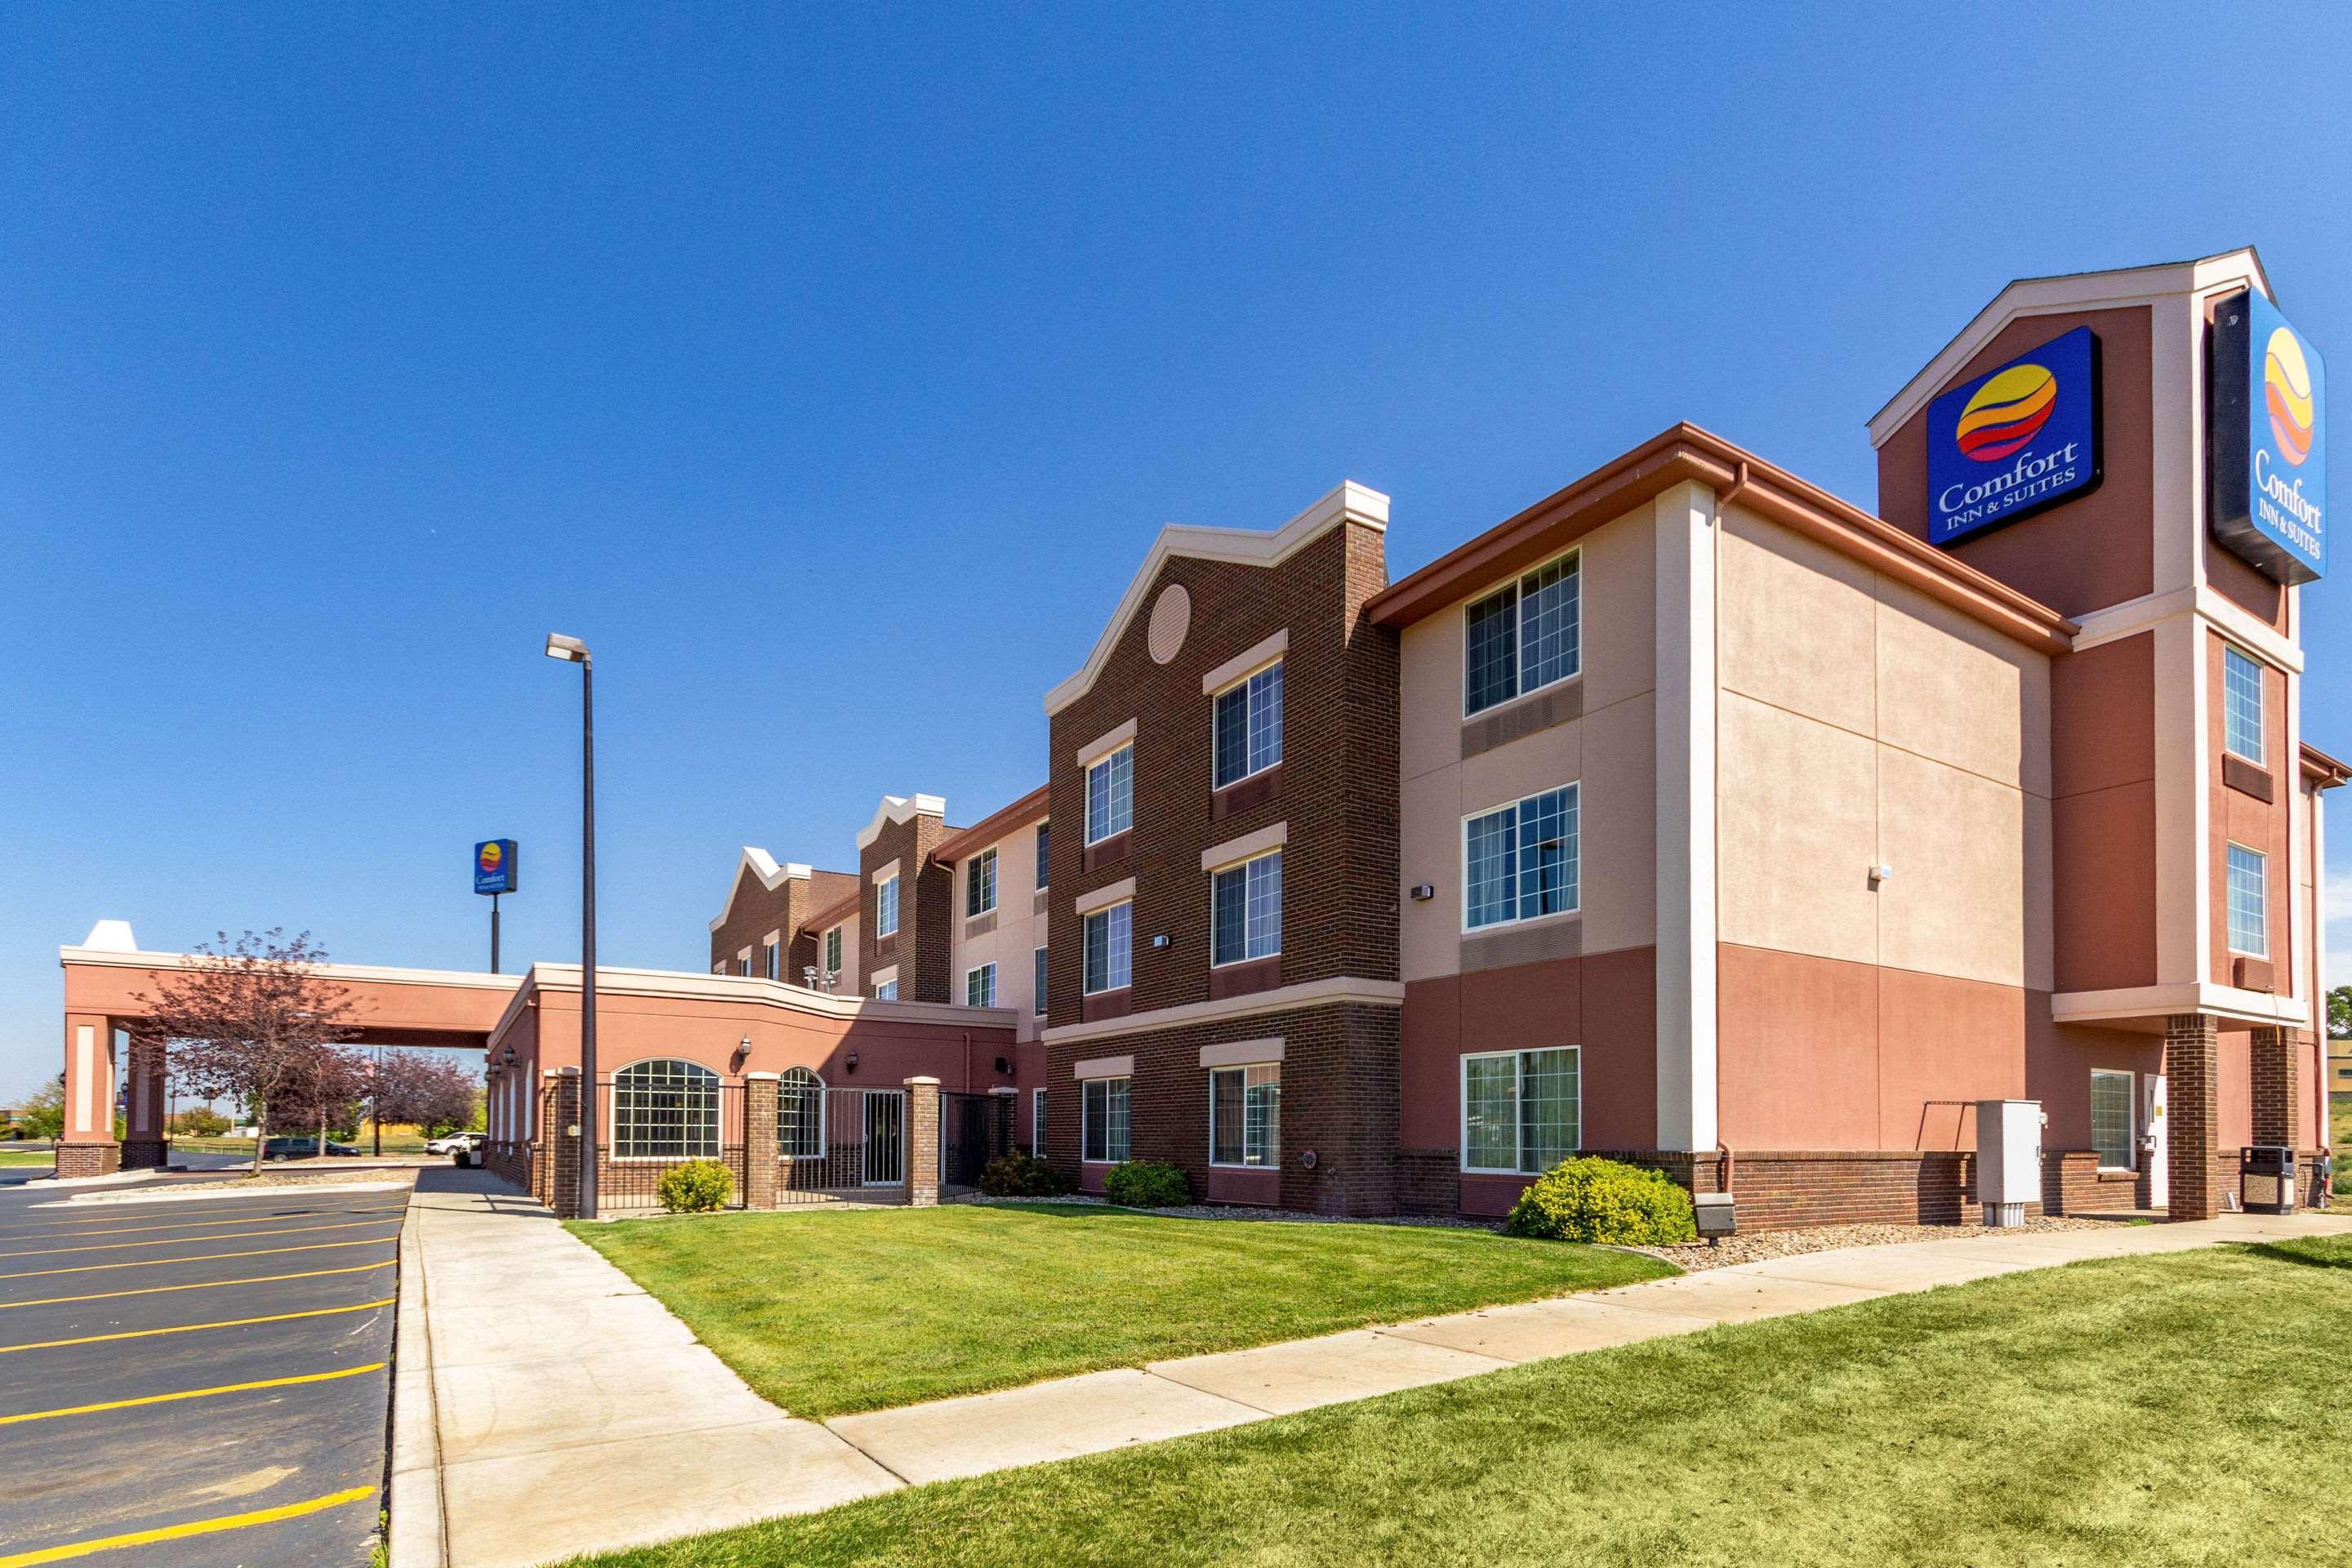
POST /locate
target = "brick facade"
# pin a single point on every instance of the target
(918, 950)
(2192, 1082)
(76, 1160)
(2277, 1061)
(922, 1142)
(754, 910)
(2072, 1184)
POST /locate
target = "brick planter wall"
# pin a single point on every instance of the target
(87, 1160)
(2071, 1183)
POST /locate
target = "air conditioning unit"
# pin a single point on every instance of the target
(2008, 1158)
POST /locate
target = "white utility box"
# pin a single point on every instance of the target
(2008, 1158)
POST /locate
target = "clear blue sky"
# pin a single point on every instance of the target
(829, 370)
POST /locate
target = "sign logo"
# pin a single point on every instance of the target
(496, 866)
(2024, 436)
(2266, 427)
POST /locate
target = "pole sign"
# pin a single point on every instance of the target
(496, 866)
(2267, 431)
(2013, 442)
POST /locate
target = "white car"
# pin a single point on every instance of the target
(456, 1142)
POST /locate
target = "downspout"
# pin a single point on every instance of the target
(1714, 545)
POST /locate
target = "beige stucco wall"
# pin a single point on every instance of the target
(851, 982)
(1607, 751)
(1020, 929)
(1863, 723)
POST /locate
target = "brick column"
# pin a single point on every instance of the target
(562, 1143)
(88, 1147)
(2192, 1070)
(145, 1146)
(760, 1093)
(2278, 1088)
(922, 1142)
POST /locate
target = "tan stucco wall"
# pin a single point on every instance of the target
(1609, 751)
(1862, 723)
(1020, 929)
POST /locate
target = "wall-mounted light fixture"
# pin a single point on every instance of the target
(1881, 873)
(742, 1053)
(1423, 892)
(1005, 1067)
(850, 1065)
(1159, 942)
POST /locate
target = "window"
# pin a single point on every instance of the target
(2111, 1120)
(800, 1115)
(1102, 1121)
(1039, 1008)
(1110, 796)
(1520, 1109)
(775, 966)
(1044, 839)
(1245, 1115)
(1038, 1122)
(1249, 726)
(833, 951)
(887, 991)
(885, 909)
(2250, 926)
(718, 969)
(745, 962)
(1519, 860)
(2242, 705)
(980, 883)
(1109, 934)
(980, 986)
(665, 1111)
(1245, 911)
(1521, 637)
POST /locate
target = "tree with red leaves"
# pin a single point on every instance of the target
(433, 1091)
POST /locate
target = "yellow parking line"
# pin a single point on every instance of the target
(183, 1240)
(192, 1328)
(181, 1532)
(187, 1224)
(199, 1258)
(196, 1393)
(198, 1285)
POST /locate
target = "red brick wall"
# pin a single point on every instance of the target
(926, 906)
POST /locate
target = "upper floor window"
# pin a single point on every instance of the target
(1038, 1007)
(887, 991)
(833, 951)
(885, 909)
(1110, 935)
(1249, 725)
(980, 986)
(980, 883)
(1044, 838)
(744, 960)
(665, 1110)
(1523, 637)
(1110, 795)
(2249, 925)
(1245, 911)
(2242, 705)
(1519, 860)
(775, 966)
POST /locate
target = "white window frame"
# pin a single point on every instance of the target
(1105, 761)
(1104, 914)
(1043, 972)
(1517, 586)
(2229, 914)
(886, 900)
(833, 950)
(2261, 718)
(1575, 788)
(1274, 1163)
(1036, 1123)
(988, 969)
(718, 1113)
(1084, 1120)
(2131, 1116)
(775, 960)
(1216, 699)
(1462, 1105)
(1044, 852)
(1247, 956)
(980, 876)
(786, 1086)
(887, 991)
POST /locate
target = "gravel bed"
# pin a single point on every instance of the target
(1766, 1245)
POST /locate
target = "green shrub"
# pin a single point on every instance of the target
(698, 1186)
(1605, 1201)
(1017, 1176)
(1147, 1185)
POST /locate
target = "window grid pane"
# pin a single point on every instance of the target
(1045, 841)
(1108, 955)
(1232, 735)
(833, 951)
(885, 909)
(887, 993)
(1493, 893)
(980, 986)
(2242, 705)
(1110, 796)
(1490, 1113)
(1548, 853)
(2111, 1120)
(1228, 915)
(1490, 651)
(980, 883)
(1262, 1116)
(1548, 1108)
(2249, 901)
(1225, 1117)
(800, 1115)
(1549, 615)
(665, 1109)
(1038, 1003)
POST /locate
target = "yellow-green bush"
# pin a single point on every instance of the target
(698, 1186)
(1588, 1199)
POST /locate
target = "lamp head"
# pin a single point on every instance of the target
(570, 649)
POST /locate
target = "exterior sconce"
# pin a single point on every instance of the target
(1159, 942)
(742, 1053)
(850, 1065)
(1005, 1067)
(507, 1058)
(1423, 892)
(1881, 873)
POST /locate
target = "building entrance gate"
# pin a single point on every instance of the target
(973, 1130)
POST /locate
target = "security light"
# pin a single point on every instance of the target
(571, 649)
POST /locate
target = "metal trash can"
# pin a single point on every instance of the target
(2266, 1179)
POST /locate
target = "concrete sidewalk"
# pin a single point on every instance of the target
(655, 1438)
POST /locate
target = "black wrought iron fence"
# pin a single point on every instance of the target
(656, 1116)
(973, 1130)
(841, 1145)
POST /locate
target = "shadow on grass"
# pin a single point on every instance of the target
(2318, 1252)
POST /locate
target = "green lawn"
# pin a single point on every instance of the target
(27, 1156)
(856, 1310)
(2169, 1410)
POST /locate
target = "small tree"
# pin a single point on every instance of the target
(2339, 1012)
(433, 1091)
(200, 1122)
(253, 1019)
(43, 1114)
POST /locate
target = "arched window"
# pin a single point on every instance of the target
(800, 1115)
(665, 1109)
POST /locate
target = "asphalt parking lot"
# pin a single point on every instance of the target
(202, 1383)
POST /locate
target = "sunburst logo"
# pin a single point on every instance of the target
(2006, 413)
(2287, 391)
(492, 855)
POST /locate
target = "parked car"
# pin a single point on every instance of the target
(302, 1148)
(455, 1142)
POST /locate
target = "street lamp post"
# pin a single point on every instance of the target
(576, 652)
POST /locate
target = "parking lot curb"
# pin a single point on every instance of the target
(417, 1537)
(149, 1195)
